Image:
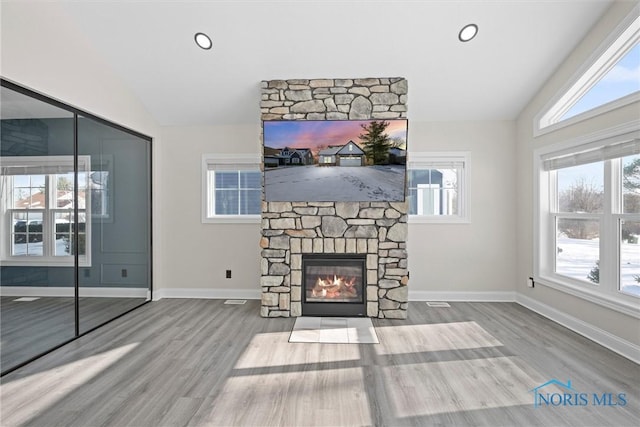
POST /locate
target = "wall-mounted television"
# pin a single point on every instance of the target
(335, 160)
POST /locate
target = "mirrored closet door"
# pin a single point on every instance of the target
(75, 223)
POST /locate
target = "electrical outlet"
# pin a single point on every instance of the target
(87, 273)
(123, 273)
(530, 283)
(228, 274)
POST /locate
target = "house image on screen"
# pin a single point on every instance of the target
(342, 155)
(271, 157)
(274, 157)
(306, 156)
(296, 156)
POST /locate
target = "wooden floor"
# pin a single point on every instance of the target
(31, 328)
(202, 363)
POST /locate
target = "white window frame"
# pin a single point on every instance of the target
(606, 293)
(605, 57)
(209, 162)
(432, 160)
(48, 214)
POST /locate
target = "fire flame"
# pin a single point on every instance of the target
(338, 287)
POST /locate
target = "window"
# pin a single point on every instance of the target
(607, 81)
(232, 188)
(38, 210)
(589, 217)
(438, 187)
(629, 219)
(621, 80)
(579, 196)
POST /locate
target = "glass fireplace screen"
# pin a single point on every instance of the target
(334, 280)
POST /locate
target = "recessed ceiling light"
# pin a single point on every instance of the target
(203, 41)
(468, 32)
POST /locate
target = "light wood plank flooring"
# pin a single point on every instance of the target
(31, 328)
(202, 363)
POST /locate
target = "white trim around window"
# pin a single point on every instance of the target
(546, 161)
(619, 42)
(455, 160)
(227, 162)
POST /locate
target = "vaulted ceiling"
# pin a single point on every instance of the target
(150, 46)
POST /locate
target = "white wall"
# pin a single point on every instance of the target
(475, 257)
(197, 254)
(475, 260)
(608, 321)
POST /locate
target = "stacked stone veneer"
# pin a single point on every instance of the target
(375, 229)
(334, 99)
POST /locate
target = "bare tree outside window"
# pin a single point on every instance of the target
(631, 184)
(581, 197)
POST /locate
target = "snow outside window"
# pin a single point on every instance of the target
(438, 187)
(579, 194)
(232, 187)
(589, 218)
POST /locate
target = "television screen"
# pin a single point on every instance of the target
(335, 160)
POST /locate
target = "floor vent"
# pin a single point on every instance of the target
(27, 299)
(235, 301)
(438, 304)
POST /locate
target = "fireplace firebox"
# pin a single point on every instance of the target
(333, 285)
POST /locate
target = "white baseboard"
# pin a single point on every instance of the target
(114, 292)
(488, 296)
(36, 291)
(255, 294)
(46, 291)
(614, 343)
(204, 293)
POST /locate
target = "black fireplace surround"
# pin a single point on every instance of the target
(334, 285)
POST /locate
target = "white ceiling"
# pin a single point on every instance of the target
(150, 46)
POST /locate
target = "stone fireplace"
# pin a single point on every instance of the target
(363, 244)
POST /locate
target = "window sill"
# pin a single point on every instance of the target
(540, 130)
(40, 262)
(233, 219)
(623, 304)
(420, 219)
